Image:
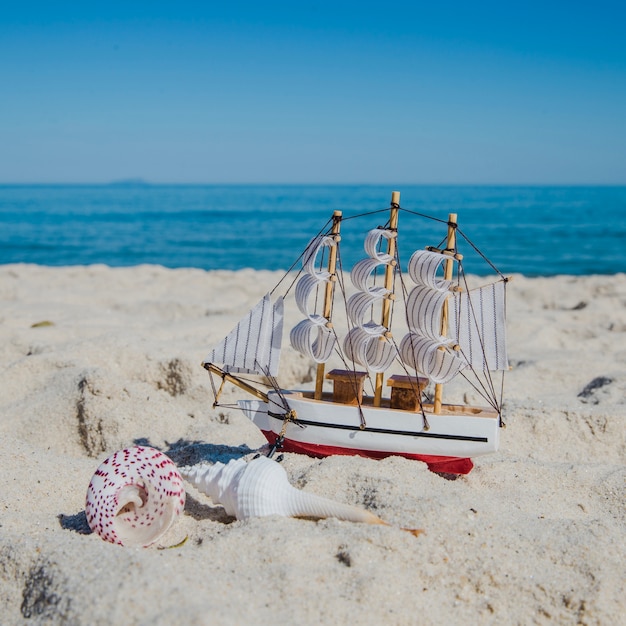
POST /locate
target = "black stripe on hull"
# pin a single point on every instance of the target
(386, 431)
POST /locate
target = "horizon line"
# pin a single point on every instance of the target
(145, 183)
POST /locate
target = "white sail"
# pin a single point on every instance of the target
(309, 258)
(423, 308)
(425, 348)
(368, 349)
(424, 267)
(436, 359)
(313, 339)
(306, 287)
(372, 240)
(253, 346)
(313, 336)
(361, 275)
(477, 320)
(367, 344)
(359, 307)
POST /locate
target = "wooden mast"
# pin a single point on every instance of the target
(447, 274)
(328, 295)
(389, 272)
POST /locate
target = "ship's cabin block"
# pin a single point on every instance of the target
(406, 391)
(347, 386)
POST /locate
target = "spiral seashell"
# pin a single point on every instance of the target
(134, 497)
(261, 488)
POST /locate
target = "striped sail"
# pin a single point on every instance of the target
(435, 359)
(313, 337)
(477, 320)
(424, 348)
(253, 346)
(367, 344)
(424, 270)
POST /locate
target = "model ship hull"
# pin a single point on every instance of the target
(324, 428)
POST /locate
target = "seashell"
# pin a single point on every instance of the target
(134, 497)
(261, 487)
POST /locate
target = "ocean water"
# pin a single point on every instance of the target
(537, 231)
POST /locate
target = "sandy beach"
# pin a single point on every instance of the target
(95, 359)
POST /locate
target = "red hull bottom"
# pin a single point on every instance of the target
(437, 464)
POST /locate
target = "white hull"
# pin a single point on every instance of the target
(453, 434)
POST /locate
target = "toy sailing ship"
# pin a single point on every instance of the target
(450, 331)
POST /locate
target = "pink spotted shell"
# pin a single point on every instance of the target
(134, 497)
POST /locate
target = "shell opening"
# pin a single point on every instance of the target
(131, 498)
(138, 523)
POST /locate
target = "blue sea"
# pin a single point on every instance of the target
(537, 231)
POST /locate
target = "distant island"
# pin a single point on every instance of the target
(129, 182)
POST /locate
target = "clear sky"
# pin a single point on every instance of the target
(314, 92)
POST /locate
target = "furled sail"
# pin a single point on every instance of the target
(367, 343)
(253, 346)
(313, 337)
(425, 348)
(476, 323)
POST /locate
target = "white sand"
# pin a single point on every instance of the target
(535, 534)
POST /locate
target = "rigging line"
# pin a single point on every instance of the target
(342, 357)
(487, 386)
(396, 274)
(293, 282)
(283, 401)
(321, 269)
(354, 383)
(442, 244)
(340, 353)
(338, 350)
(502, 424)
(487, 373)
(365, 214)
(324, 228)
(405, 293)
(271, 384)
(486, 383)
(251, 381)
(416, 391)
(352, 369)
(341, 282)
(428, 217)
(475, 248)
(342, 288)
(275, 386)
(482, 385)
(491, 401)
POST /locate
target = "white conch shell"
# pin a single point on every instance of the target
(134, 497)
(261, 487)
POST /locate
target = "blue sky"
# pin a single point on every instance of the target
(314, 92)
